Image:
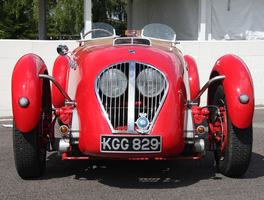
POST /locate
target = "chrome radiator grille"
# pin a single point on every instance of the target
(131, 95)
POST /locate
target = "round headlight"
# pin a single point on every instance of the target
(150, 82)
(113, 83)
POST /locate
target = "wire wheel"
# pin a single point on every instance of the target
(233, 145)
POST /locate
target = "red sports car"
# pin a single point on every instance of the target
(134, 97)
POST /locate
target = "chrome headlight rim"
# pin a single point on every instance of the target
(156, 88)
(113, 84)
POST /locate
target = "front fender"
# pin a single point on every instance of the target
(238, 81)
(26, 83)
(61, 74)
(193, 77)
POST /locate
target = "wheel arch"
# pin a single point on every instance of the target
(26, 83)
(193, 77)
(238, 81)
(61, 74)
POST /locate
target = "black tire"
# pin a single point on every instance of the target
(29, 152)
(235, 159)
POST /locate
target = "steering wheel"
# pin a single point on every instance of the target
(97, 30)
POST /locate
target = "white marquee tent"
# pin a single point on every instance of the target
(201, 19)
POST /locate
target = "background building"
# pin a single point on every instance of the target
(201, 19)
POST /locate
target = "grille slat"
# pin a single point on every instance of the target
(122, 108)
(131, 97)
(125, 71)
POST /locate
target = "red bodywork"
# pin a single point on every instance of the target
(238, 81)
(193, 77)
(178, 118)
(92, 120)
(61, 74)
(26, 83)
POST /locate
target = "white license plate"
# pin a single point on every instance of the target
(130, 144)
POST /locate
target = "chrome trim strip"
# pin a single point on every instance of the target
(216, 78)
(132, 41)
(74, 132)
(101, 38)
(131, 97)
(188, 127)
(57, 85)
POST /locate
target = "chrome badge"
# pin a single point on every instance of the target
(142, 123)
(132, 51)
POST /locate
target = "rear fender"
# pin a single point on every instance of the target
(60, 73)
(237, 81)
(193, 77)
(26, 83)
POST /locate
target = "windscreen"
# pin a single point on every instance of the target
(159, 31)
(97, 30)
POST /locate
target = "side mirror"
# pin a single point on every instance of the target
(62, 50)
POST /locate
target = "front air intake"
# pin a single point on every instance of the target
(131, 95)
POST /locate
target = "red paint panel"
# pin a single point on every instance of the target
(193, 76)
(238, 81)
(26, 83)
(60, 73)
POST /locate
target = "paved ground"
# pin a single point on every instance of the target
(132, 179)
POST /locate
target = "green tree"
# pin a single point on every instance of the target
(16, 19)
(19, 18)
(68, 17)
(113, 12)
(51, 24)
